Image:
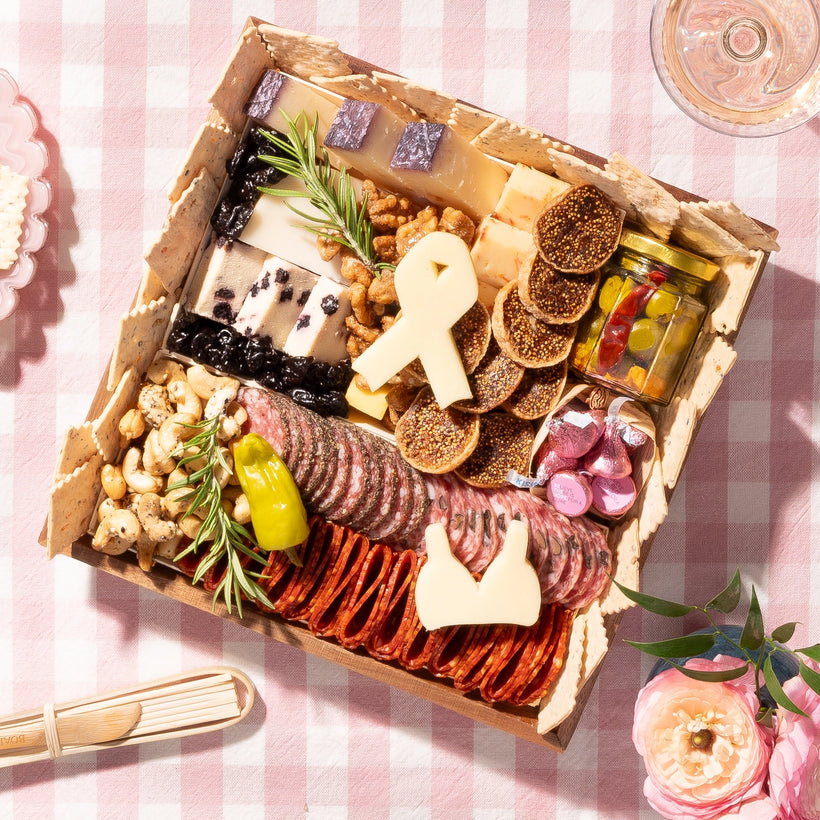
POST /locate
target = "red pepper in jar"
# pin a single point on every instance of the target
(616, 331)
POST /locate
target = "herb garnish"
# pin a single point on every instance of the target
(332, 192)
(229, 539)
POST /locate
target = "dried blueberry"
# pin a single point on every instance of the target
(200, 344)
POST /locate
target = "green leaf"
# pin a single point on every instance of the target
(656, 605)
(753, 635)
(776, 690)
(728, 598)
(677, 647)
(811, 677)
(783, 634)
(718, 676)
(812, 652)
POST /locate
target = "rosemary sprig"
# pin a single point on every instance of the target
(344, 220)
(228, 539)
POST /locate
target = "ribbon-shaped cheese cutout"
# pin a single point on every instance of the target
(436, 285)
(508, 593)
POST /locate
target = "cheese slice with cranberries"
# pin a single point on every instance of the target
(320, 329)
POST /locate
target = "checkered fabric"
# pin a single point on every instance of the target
(120, 88)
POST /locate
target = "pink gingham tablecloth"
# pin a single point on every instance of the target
(120, 89)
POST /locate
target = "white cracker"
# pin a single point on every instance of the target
(71, 505)
(597, 643)
(469, 122)
(514, 143)
(105, 428)
(304, 55)
(731, 291)
(739, 224)
(432, 105)
(211, 148)
(652, 507)
(78, 448)
(626, 543)
(364, 87)
(695, 231)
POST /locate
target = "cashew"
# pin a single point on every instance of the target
(190, 526)
(221, 474)
(186, 401)
(156, 461)
(205, 384)
(107, 506)
(168, 549)
(219, 401)
(132, 425)
(176, 502)
(112, 481)
(149, 513)
(139, 481)
(116, 532)
(242, 510)
(164, 370)
(145, 552)
(153, 403)
(174, 430)
(231, 425)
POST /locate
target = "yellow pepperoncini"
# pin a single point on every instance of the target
(278, 515)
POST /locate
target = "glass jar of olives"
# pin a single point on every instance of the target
(637, 335)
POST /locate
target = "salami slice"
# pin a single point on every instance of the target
(473, 664)
(396, 609)
(449, 646)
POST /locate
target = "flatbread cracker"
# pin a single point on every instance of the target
(105, 428)
(674, 437)
(171, 255)
(626, 553)
(78, 448)
(576, 171)
(304, 55)
(469, 122)
(249, 59)
(13, 193)
(139, 338)
(430, 104)
(656, 208)
(694, 230)
(71, 505)
(652, 507)
(212, 148)
(596, 641)
(365, 88)
(741, 226)
(731, 291)
(149, 289)
(559, 702)
(513, 142)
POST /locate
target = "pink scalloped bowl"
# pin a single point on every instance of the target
(28, 156)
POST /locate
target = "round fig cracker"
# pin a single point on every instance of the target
(539, 391)
(504, 444)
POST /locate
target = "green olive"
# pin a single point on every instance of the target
(645, 334)
(661, 303)
(610, 293)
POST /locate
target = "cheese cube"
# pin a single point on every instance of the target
(275, 300)
(276, 228)
(526, 194)
(500, 253)
(320, 330)
(277, 94)
(222, 280)
(372, 403)
(437, 164)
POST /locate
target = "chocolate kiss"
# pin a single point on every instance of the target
(548, 461)
(571, 441)
(609, 457)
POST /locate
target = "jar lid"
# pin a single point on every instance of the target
(689, 263)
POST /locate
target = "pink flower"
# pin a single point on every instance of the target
(794, 769)
(703, 750)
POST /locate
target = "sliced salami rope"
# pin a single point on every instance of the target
(266, 418)
(357, 616)
(418, 647)
(496, 682)
(396, 609)
(361, 512)
(473, 664)
(449, 647)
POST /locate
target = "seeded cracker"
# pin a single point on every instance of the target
(504, 444)
(697, 232)
(365, 88)
(539, 391)
(105, 428)
(513, 142)
(469, 122)
(78, 448)
(432, 105)
(212, 148)
(737, 223)
(492, 382)
(13, 192)
(596, 642)
(304, 55)
(626, 543)
(731, 291)
(71, 505)
(434, 440)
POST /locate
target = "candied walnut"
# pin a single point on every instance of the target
(407, 235)
(327, 248)
(353, 269)
(361, 331)
(361, 307)
(388, 320)
(401, 397)
(382, 289)
(386, 211)
(458, 223)
(385, 248)
(355, 346)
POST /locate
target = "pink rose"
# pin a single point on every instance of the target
(703, 750)
(794, 769)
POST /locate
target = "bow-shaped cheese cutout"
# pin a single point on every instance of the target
(509, 591)
(436, 285)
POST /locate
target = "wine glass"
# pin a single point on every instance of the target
(741, 67)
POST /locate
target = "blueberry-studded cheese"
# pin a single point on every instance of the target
(320, 329)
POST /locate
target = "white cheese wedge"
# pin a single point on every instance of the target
(436, 285)
(436, 164)
(275, 300)
(223, 279)
(320, 329)
(13, 192)
(279, 95)
(526, 194)
(500, 253)
(276, 229)
(508, 593)
(364, 136)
